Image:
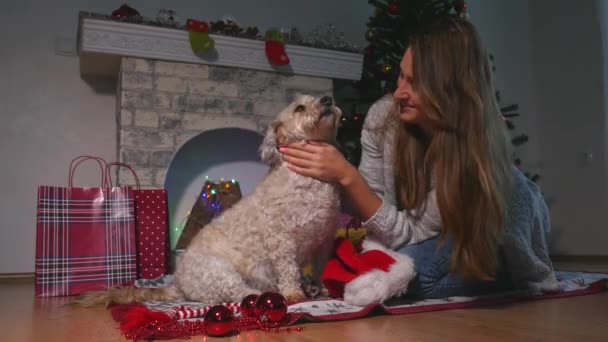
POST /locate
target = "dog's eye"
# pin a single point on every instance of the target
(300, 108)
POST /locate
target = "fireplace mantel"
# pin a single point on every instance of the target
(102, 42)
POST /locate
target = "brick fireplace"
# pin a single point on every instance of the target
(162, 105)
(166, 95)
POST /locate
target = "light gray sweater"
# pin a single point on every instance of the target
(524, 242)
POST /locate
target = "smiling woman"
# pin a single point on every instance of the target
(436, 180)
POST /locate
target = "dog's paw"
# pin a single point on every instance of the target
(294, 296)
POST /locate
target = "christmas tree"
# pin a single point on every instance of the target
(388, 32)
(509, 112)
(389, 28)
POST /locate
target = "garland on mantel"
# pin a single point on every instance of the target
(322, 37)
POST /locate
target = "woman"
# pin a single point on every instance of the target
(436, 180)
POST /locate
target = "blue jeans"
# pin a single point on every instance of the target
(434, 280)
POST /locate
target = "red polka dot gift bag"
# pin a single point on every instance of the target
(151, 227)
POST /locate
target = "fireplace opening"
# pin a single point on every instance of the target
(229, 153)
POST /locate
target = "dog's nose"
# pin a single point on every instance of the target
(327, 101)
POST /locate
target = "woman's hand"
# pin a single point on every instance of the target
(317, 159)
(325, 162)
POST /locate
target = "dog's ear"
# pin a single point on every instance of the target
(275, 137)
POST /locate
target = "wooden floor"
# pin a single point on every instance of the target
(580, 319)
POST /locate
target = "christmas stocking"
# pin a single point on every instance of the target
(198, 33)
(275, 47)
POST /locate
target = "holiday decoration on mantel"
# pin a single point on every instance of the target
(167, 17)
(214, 198)
(229, 27)
(275, 47)
(127, 13)
(323, 37)
(198, 34)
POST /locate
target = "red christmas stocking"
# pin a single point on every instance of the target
(275, 47)
(198, 33)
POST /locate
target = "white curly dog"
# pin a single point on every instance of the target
(264, 240)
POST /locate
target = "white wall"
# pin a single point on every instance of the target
(602, 17)
(549, 60)
(568, 66)
(504, 28)
(48, 116)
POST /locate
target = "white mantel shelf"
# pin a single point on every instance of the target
(101, 43)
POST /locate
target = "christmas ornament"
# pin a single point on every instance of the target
(275, 47)
(226, 27)
(167, 17)
(271, 306)
(387, 68)
(251, 32)
(393, 8)
(198, 33)
(295, 36)
(370, 34)
(248, 305)
(460, 6)
(219, 320)
(125, 12)
(137, 322)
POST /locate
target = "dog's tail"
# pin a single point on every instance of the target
(127, 295)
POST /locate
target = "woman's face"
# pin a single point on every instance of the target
(407, 98)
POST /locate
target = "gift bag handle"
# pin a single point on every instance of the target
(109, 177)
(81, 159)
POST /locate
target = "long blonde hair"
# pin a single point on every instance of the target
(467, 160)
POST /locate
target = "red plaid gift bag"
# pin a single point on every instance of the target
(85, 237)
(152, 227)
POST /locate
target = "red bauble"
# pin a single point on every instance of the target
(271, 306)
(125, 12)
(248, 305)
(219, 321)
(393, 8)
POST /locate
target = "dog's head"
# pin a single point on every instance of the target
(306, 118)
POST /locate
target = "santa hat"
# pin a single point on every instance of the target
(370, 276)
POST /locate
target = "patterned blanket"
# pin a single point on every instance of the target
(571, 284)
